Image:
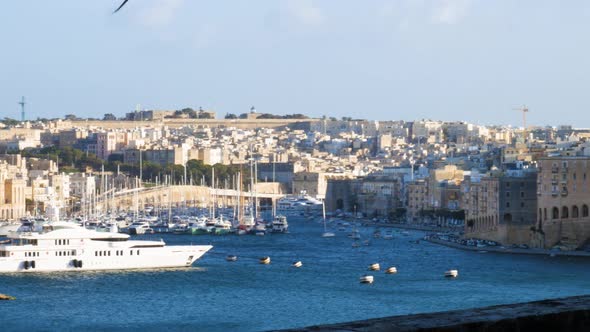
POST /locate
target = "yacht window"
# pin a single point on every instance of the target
(138, 251)
(59, 253)
(96, 253)
(109, 252)
(131, 252)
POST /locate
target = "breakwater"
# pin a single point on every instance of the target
(563, 314)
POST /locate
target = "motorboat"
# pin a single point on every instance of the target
(66, 246)
(138, 227)
(279, 224)
(451, 274)
(366, 279)
(374, 267)
(391, 270)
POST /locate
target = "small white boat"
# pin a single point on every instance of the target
(297, 264)
(366, 279)
(265, 260)
(452, 274)
(391, 270)
(231, 258)
(374, 267)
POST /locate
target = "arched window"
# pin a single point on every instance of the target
(507, 217)
(555, 213)
(544, 213)
(565, 212)
(575, 212)
(540, 214)
(584, 210)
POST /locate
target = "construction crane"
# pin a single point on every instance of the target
(524, 111)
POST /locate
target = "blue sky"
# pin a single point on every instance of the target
(376, 59)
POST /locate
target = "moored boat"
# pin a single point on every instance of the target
(63, 246)
(366, 279)
(451, 274)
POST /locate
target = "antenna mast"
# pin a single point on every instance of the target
(22, 108)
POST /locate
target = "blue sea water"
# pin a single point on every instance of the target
(216, 295)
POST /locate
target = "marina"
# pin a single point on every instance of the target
(327, 282)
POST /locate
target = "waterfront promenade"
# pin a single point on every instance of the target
(530, 251)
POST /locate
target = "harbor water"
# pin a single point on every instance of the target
(217, 295)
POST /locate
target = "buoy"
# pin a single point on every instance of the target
(391, 270)
(231, 258)
(366, 279)
(451, 274)
(297, 264)
(265, 260)
(374, 267)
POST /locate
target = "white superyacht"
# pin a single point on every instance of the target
(65, 246)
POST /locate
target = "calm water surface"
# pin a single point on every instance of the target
(216, 295)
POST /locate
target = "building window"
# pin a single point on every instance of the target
(507, 217)
(507, 194)
(521, 204)
(584, 210)
(564, 212)
(507, 204)
(575, 212)
(522, 194)
(555, 213)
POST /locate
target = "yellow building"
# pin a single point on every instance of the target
(563, 201)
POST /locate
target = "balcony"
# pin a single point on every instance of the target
(554, 169)
(554, 193)
(554, 181)
(564, 192)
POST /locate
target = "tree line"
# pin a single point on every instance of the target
(74, 160)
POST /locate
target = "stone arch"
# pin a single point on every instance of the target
(565, 212)
(555, 213)
(575, 212)
(507, 217)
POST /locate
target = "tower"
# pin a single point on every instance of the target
(22, 109)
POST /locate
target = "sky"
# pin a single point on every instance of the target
(468, 60)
